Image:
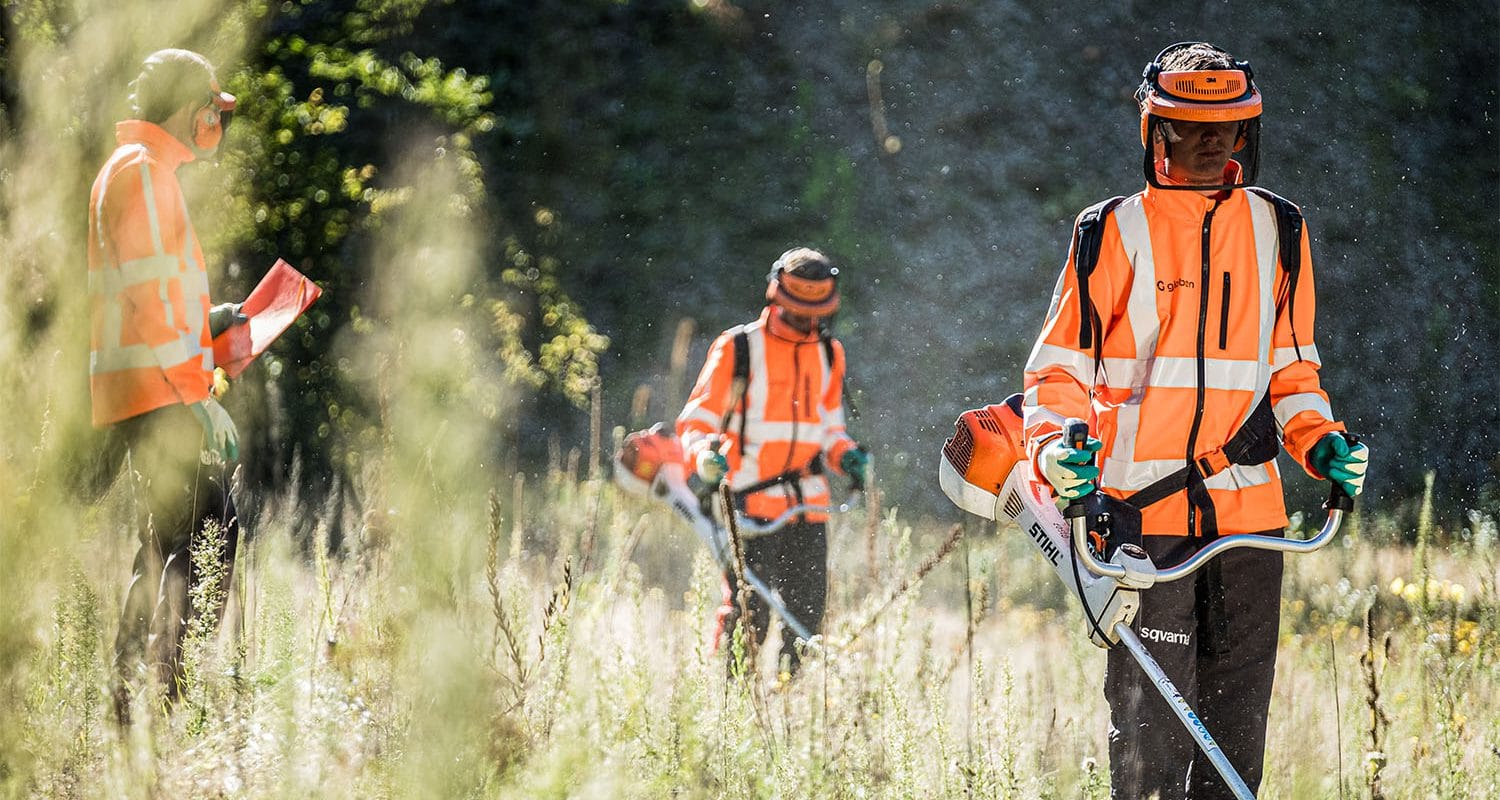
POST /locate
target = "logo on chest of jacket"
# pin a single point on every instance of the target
(1172, 286)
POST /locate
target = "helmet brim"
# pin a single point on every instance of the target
(1188, 111)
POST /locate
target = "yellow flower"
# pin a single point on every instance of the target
(1456, 593)
(1412, 593)
(1397, 585)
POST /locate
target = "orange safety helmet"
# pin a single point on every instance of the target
(1224, 94)
(804, 281)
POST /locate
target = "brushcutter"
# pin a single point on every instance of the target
(1091, 544)
(650, 464)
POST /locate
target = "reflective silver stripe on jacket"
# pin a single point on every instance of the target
(108, 286)
(1122, 470)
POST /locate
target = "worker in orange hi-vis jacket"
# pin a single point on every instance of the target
(1188, 347)
(767, 416)
(151, 363)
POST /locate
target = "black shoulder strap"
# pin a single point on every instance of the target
(739, 384)
(1289, 241)
(1087, 239)
(741, 360)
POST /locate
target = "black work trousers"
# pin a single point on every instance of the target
(794, 562)
(176, 499)
(1214, 634)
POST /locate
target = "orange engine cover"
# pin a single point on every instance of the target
(987, 443)
(644, 452)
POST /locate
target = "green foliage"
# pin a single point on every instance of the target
(319, 167)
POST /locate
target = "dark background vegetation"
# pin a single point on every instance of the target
(640, 163)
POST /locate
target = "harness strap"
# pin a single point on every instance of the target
(1256, 442)
(1289, 236)
(739, 384)
(1087, 240)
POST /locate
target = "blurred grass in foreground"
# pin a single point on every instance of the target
(461, 646)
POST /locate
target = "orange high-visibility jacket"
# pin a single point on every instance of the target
(1192, 300)
(793, 410)
(148, 290)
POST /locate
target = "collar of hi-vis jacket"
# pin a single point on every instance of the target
(770, 316)
(1191, 204)
(167, 149)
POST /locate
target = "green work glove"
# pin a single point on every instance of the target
(222, 441)
(224, 316)
(854, 462)
(712, 466)
(1336, 459)
(1067, 468)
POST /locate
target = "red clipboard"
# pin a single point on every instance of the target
(280, 297)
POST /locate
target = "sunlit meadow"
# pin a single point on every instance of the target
(475, 631)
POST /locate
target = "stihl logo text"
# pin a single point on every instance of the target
(1172, 286)
(1043, 541)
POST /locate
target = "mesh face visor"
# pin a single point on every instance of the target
(1205, 95)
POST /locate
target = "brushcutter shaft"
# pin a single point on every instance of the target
(1184, 712)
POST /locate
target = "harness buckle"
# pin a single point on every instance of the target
(1212, 463)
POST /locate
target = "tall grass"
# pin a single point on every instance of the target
(497, 672)
(479, 632)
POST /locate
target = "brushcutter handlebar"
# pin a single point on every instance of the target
(1339, 503)
(750, 528)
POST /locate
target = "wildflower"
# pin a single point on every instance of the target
(1456, 593)
(1396, 586)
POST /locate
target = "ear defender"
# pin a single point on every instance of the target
(210, 123)
(207, 130)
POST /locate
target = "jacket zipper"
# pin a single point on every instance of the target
(1224, 316)
(795, 493)
(1192, 442)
